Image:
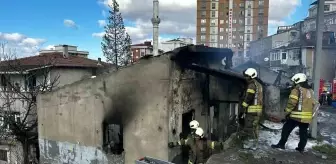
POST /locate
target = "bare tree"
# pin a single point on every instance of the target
(20, 84)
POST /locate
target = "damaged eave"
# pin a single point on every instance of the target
(201, 55)
(224, 74)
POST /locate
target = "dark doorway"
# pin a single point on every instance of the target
(186, 118)
(113, 138)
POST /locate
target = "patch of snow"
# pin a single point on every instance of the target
(272, 125)
(322, 116)
(268, 138)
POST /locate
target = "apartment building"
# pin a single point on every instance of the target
(231, 23)
(142, 49)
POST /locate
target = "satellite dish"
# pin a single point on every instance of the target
(266, 59)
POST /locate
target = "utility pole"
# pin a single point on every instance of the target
(317, 59)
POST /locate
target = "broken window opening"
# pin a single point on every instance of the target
(3, 155)
(113, 138)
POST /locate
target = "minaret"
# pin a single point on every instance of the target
(156, 21)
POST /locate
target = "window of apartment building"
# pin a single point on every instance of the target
(142, 52)
(221, 37)
(203, 5)
(213, 38)
(203, 21)
(234, 21)
(249, 21)
(222, 6)
(214, 45)
(260, 28)
(248, 37)
(241, 37)
(261, 2)
(234, 29)
(234, 45)
(214, 30)
(226, 30)
(248, 29)
(213, 14)
(213, 21)
(221, 29)
(260, 20)
(3, 155)
(221, 45)
(213, 6)
(221, 21)
(242, 5)
(249, 12)
(241, 21)
(202, 37)
(242, 13)
(203, 13)
(227, 21)
(203, 29)
(234, 36)
(261, 11)
(326, 7)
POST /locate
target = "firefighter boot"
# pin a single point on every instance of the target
(277, 146)
(299, 150)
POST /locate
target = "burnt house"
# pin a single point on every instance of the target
(145, 106)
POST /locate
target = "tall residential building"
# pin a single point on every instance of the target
(231, 23)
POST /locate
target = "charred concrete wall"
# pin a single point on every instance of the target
(149, 99)
(70, 118)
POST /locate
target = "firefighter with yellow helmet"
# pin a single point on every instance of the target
(299, 112)
(200, 147)
(251, 106)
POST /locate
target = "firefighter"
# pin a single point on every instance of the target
(193, 126)
(200, 147)
(299, 112)
(251, 107)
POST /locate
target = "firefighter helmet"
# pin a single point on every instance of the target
(299, 78)
(251, 72)
(194, 124)
(199, 132)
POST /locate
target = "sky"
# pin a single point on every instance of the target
(29, 26)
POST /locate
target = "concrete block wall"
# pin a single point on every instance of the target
(149, 98)
(70, 118)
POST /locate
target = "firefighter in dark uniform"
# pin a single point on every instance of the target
(299, 112)
(200, 147)
(251, 107)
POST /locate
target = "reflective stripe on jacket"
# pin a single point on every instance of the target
(253, 98)
(300, 104)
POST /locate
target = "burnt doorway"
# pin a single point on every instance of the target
(186, 118)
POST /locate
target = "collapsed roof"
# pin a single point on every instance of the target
(207, 60)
